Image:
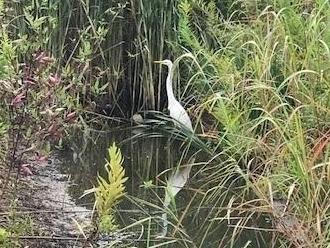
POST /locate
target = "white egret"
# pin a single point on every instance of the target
(178, 179)
(177, 112)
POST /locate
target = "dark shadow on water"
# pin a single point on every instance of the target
(144, 160)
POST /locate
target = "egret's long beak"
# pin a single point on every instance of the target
(158, 62)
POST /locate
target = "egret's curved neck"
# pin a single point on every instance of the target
(169, 84)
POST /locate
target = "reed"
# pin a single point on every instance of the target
(258, 83)
(107, 47)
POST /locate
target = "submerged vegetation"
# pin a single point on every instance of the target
(257, 91)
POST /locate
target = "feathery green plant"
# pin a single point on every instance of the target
(109, 190)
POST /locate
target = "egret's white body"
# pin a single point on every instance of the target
(177, 112)
(179, 178)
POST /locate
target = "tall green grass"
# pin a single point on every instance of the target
(267, 88)
(107, 48)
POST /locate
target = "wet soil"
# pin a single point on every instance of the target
(49, 217)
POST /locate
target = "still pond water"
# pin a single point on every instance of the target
(145, 160)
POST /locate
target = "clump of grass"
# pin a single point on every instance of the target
(259, 84)
(3, 236)
(14, 226)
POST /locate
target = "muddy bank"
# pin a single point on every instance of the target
(41, 201)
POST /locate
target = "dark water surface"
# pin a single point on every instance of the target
(145, 160)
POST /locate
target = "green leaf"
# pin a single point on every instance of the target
(3, 235)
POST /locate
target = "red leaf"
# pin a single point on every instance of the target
(29, 81)
(54, 80)
(319, 147)
(71, 117)
(18, 100)
(52, 128)
(25, 170)
(39, 158)
(43, 59)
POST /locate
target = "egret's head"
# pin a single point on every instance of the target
(166, 62)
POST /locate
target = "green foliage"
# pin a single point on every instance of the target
(2, 6)
(7, 56)
(14, 226)
(5, 241)
(3, 235)
(108, 44)
(109, 190)
(267, 84)
(3, 141)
